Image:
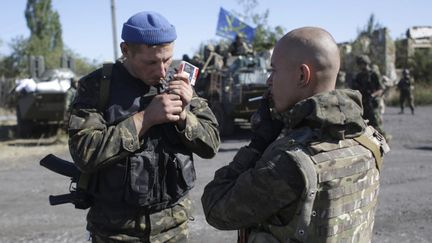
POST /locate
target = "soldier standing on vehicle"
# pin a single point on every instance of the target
(368, 82)
(311, 180)
(137, 146)
(406, 86)
(239, 47)
(197, 61)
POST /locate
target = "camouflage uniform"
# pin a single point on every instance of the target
(139, 185)
(405, 86)
(367, 82)
(315, 183)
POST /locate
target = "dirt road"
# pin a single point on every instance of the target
(404, 212)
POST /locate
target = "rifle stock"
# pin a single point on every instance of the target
(77, 196)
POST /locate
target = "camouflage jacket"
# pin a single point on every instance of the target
(406, 84)
(94, 143)
(367, 82)
(309, 185)
(127, 171)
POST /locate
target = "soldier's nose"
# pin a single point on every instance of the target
(161, 73)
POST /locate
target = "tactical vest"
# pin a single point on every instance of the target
(154, 177)
(341, 189)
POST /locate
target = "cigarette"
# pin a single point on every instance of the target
(255, 98)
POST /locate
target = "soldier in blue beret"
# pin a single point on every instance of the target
(135, 144)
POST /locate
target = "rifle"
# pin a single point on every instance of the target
(77, 195)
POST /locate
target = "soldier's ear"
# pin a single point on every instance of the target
(124, 48)
(305, 75)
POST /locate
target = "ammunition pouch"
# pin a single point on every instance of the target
(154, 178)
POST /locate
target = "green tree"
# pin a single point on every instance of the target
(15, 64)
(45, 32)
(265, 36)
(83, 65)
(371, 25)
(401, 45)
(420, 65)
(45, 40)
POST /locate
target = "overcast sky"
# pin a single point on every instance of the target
(87, 23)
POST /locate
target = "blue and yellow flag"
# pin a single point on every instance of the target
(228, 26)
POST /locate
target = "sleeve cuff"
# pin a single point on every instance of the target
(190, 130)
(245, 158)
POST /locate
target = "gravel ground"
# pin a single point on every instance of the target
(404, 212)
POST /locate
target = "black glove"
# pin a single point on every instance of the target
(264, 129)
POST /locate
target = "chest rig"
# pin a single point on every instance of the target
(155, 176)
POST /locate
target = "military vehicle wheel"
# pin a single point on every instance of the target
(24, 127)
(226, 122)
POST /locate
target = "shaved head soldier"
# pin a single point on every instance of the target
(311, 171)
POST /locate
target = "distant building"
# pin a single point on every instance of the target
(417, 38)
(380, 48)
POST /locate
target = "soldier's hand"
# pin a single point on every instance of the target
(265, 129)
(163, 108)
(181, 87)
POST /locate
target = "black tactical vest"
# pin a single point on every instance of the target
(155, 176)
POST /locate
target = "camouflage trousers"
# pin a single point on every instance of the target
(108, 225)
(406, 96)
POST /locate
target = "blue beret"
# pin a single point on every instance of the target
(148, 28)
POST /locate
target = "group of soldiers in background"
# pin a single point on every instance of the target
(220, 57)
(217, 56)
(368, 80)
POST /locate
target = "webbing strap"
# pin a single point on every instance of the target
(103, 101)
(369, 144)
(105, 85)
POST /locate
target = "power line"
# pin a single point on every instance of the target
(114, 29)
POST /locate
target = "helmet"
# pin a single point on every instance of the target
(209, 47)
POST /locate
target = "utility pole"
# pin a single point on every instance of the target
(114, 29)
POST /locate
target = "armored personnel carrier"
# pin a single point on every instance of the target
(229, 89)
(41, 101)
